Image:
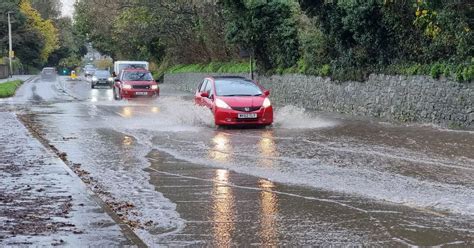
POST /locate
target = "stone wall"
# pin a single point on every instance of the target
(400, 98)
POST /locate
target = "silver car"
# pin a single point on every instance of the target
(101, 78)
(89, 70)
(49, 73)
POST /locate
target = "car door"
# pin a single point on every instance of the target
(208, 101)
(117, 81)
(197, 97)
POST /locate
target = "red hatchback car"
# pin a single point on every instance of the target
(235, 101)
(135, 83)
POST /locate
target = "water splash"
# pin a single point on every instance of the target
(292, 117)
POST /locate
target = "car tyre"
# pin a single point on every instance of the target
(117, 95)
(92, 86)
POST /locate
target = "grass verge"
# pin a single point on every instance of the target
(8, 89)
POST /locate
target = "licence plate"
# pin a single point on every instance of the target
(141, 93)
(247, 116)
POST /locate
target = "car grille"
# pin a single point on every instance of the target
(141, 86)
(246, 109)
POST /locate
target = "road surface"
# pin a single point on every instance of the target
(310, 179)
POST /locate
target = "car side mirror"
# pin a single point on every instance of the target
(205, 94)
(157, 81)
(117, 80)
(266, 93)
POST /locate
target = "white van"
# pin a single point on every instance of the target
(120, 65)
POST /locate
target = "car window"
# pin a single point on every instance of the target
(48, 70)
(237, 87)
(137, 76)
(202, 86)
(208, 88)
(131, 66)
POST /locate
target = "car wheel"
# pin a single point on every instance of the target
(92, 86)
(117, 94)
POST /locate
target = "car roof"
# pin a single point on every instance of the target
(135, 69)
(230, 78)
(130, 62)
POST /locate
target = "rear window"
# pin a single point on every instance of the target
(137, 76)
(48, 70)
(236, 87)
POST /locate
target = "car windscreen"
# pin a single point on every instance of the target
(236, 87)
(131, 66)
(137, 76)
(48, 71)
(102, 74)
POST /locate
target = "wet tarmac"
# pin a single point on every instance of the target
(310, 179)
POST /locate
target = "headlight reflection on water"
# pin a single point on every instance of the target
(223, 209)
(127, 112)
(221, 150)
(127, 141)
(267, 148)
(155, 110)
(269, 207)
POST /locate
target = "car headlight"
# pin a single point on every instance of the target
(266, 103)
(94, 78)
(221, 104)
(154, 87)
(110, 79)
(127, 86)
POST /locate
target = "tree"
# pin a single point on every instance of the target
(48, 9)
(44, 27)
(27, 43)
(71, 43)
(269, 28)
(155, 30)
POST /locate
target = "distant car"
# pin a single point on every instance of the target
(48, 73)
(102, 78)
(135, 83)
(89, 70)
(235, 101)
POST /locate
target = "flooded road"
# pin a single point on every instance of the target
(310, 179)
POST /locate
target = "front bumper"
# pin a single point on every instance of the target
(131, 93)
(102, 82)
(224, 117)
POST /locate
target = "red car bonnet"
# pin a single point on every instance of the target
(139, 82)
(243, 101)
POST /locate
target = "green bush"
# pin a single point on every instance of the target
(325, 70)
(436, 70)
(213, 67)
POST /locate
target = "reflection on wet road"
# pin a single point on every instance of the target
(308, 180)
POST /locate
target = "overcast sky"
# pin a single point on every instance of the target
(68, 8)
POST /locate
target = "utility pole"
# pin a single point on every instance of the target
(10, 50)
